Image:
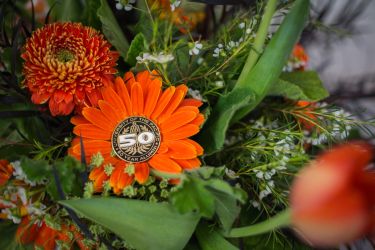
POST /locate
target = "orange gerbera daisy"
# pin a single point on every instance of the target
(66, 64)
(137, 127)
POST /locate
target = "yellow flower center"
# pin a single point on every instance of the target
(64, 55)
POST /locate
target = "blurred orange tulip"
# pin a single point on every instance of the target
(333, 199)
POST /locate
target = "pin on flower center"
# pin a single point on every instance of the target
(136, 139)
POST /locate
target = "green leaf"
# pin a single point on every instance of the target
(111, 28)
(7, 235)
(90, 16)
(212, 240)
(227, 200)
(213, 134)
(69, 10)
(143, 224)
(255, 82)
(192, 196)
(137, 46)
(35, 170)
(301, 85)
(69, 173)
(201, 190)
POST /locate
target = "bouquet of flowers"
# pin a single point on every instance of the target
(167, 124)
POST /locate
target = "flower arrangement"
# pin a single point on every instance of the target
(164, 125)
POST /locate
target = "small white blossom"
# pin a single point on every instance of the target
(157, 58)
(264, 193)
(219, 84)
(241, 25)
(197, 46)
(175, 4)
(231, 174)
(195, 94)
(255, 204)
(127, 5)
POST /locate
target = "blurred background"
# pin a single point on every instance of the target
(341, 46)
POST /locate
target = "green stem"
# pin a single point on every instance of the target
(280, 220)
(258, 42)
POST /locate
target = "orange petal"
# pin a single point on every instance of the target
(163, 148)
(78, 119)
(96, 117)
(137, 99)
(99, 181)
(191, 102)
(152, 97)
(115, 101)
(199, 120)
(142, 171)
(181, 150)
(187, 108)
(94, 96)
(164, 163)
(110, 112)
(163, 102)
(92, 132)
(189, 164)
(116, 173)
(93, 147)
(177, 120)
(172, 105)
(182, 132)
(144, 78)
(123, 94)
(198, 147)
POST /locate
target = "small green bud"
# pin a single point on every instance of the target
(163, 183)
(108, 169)
(150, 180)
(106, 188)
(97, 160)
(164, 193)
(142, 191)
(153, 199)
(152, 188)
(130, 169)
(88, 190)
(129, 191)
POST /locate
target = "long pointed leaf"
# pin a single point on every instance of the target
(254, 86)
(142, 224)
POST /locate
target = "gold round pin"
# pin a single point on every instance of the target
(136, 139)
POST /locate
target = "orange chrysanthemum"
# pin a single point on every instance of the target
(175, 117)
(182, 18)
(45, 237)
(66, 64)
(6, 171)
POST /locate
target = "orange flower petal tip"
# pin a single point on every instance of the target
(64, 67)
(332, 199)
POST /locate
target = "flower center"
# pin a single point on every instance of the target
(64, 55)
(136, 139)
